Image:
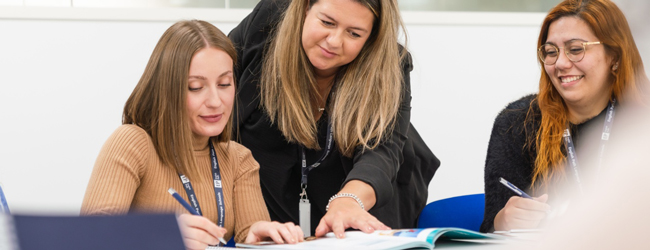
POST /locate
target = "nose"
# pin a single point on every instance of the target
(213, 100)
(563, 62)
(335, 39)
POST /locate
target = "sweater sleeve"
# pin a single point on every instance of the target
(117, 172)
(249, 205)
(508, 156)
(378, 167)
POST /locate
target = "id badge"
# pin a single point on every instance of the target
(305, 216)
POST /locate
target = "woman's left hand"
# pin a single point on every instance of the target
(346, 213)
(279, 232)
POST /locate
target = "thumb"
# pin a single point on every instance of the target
(322, 229)
(221, 232)
(252, 238)
(542, 198)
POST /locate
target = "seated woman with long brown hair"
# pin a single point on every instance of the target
(176, 134)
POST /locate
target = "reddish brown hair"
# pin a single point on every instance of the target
(610, 26)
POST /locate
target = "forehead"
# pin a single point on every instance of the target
(568, 28)
(345, 11)
(210, 60)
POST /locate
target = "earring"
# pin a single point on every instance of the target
(615, 67)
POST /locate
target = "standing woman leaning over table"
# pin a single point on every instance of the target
(325, 94)
(176, 134)
(591, 70)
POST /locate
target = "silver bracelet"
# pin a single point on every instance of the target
(344, 195)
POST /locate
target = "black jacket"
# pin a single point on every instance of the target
(509, 156)
(399, 170)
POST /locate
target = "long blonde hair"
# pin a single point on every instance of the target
(158, 102)
(367, 94)
(610, 26)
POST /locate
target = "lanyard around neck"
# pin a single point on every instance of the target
(306, 169)
(218, 190)
(604, 138)
(304, 206)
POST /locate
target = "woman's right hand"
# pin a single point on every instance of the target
(199, 232)
(280, 233)
(521, 213)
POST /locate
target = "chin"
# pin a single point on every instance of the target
(318, 66)
(212, 132)
(571, 98)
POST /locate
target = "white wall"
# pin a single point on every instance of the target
(65, 75)
(464, 76)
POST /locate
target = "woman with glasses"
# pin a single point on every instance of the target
(590, 67)
(325, 109)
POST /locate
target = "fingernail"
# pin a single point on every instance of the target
(340, 236)
(293, 240)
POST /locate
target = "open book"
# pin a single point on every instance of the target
(383, 239)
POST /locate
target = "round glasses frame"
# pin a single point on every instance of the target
(541, 52)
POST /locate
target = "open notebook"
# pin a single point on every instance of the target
(423, 238)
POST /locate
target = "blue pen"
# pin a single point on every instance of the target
(4, 208)
(514, 188)
(188, 207)
(182, 201)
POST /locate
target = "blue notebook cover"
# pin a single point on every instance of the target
(133, 231)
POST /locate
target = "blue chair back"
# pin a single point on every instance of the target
(461, 211)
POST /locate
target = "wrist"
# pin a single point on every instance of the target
(497, 224)
(345, 195)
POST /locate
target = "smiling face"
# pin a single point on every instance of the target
(584, 83)
(334, 33)
(211, 93)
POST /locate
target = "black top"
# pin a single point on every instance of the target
(509, 156)
(399, 169)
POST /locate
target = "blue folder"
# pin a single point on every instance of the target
(135, 231)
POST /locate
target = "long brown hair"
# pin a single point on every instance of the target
(368, 90)
(158, 102)
(610, 26)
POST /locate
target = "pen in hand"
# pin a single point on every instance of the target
(514, 188)
(188, 207)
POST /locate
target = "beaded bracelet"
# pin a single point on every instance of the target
(344, 195)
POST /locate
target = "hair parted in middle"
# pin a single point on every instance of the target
(610, 26)
(158, 102)
(367, 92)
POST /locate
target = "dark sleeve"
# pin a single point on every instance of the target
(509, 157)
(250, 38)
(379, 167)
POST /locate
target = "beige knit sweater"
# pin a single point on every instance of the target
(129, 177)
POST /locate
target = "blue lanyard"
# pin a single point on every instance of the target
(604, 138)
(306, 169)
(304, 206)
(218, 190)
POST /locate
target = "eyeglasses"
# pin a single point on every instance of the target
(574, 50)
